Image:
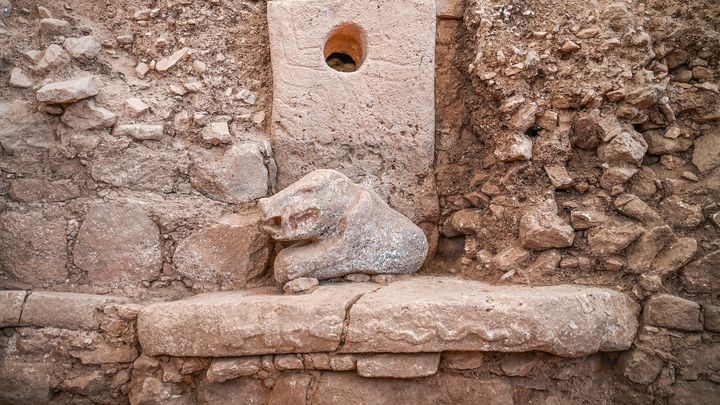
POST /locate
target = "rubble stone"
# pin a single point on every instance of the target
(672, 312)
(398, 365)
(363, 234)
(519, 364)
(641, 256)
(559, 177)
(223, 369)
(32, 247)
(25, 382)
(232, 251)
(235, 175)
(68, 91)
(249, 390)
(135, 106)
(54, 26)
(541, 231)
(636, 208)
(106, 353)
(19, 79)
(712, 318)
(66, 310)
(118, 244)
(53, 58)
(85, 115)
(626, 147)
(518, 146)
(165, 64)
(138, 168)
(300, 284)
(703, 275)
(83, 47)
(658, 144)
(462, 360)
(706, 154)
(694, 393)
(141, 132)
(509, 258)
(612, 239)
(676, 256)
(640, 367)
(680, 214)
(586, 219)
(291, 389)
(216, 133)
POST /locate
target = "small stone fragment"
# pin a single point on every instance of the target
(703, 275)
(358, 278)
(216, 133)
(524, 117)
(617, 175)
(627, 147)
(640, 367)
(166, 63)
(54, 57)
(541, 231)
(135, 106)
(677, 255)
(68, 91)
(85, 115)
(659, 144)
(636, 208)
(569, 47)
(706, 154)
(586, 219)
(142, 69)
(300, 284)
(672, 312)
(54, 26)
(559, 177)
(288, 362)
(509, 258)
(82, 48)
(517, 146)
(223, 369)
(140, 132)
(641, 256)
(19, 79)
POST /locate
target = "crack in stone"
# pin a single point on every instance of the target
(346, 319)
(22, 307)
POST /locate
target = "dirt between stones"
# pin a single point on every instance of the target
(575, 142)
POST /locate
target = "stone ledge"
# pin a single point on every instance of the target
(421, 314)
(66, 310)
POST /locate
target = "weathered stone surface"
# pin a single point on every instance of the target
(641, 255)
(233, 175)
(519, 364)
(462, 360)
(248, 391)
(617, 175)
(706, 154)
(30, 190)
(680, 214)
(223, 369)
(610, 240)
(545, 230)
(232, 251)
(398, 365)
(135, 106)
(53, 58)
(32, 247)
(678, 254)
(422, 314)
(11, 303)
(66, 310)
(658, 144)
(88, 384)
(703, 275)
(140, 132)
(244, 323)
(138, 168)
(291, 389)
(106, 353)
(586, 219)
(54, 26)
(83, 47)
(509, 258)
(712, 318)
(85, 115)
(559, 177)
(118, 244)
(672, 312)
(350, 229)
(288, 362)
(395, 83)
(23, 382)
(68, 91)
(694, 393)
(348, 388)
(640, 367)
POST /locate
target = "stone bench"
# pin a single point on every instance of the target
(420, 314)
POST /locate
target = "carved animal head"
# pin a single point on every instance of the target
(310, 208)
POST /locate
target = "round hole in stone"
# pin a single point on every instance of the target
(345, 48)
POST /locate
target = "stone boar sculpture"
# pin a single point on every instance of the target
(341, 228)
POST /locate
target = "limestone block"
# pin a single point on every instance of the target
(672, 312)
(243, 323)
(68, 91)
(139, 168)
(354, 91)
(350, 229)
(118, 244)
(66, 310)
(11, 303)
(232, 251)
(32, 247)
(398, 365)
(429, 314)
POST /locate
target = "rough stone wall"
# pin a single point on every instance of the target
(576, 142)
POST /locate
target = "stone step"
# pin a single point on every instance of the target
(421, 314)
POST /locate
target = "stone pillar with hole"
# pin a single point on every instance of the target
(353, 90)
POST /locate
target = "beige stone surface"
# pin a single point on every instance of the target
(66, 310)
(11, 303)
(245, 323)
(375, 123)
(393, 365)
(434, 314)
